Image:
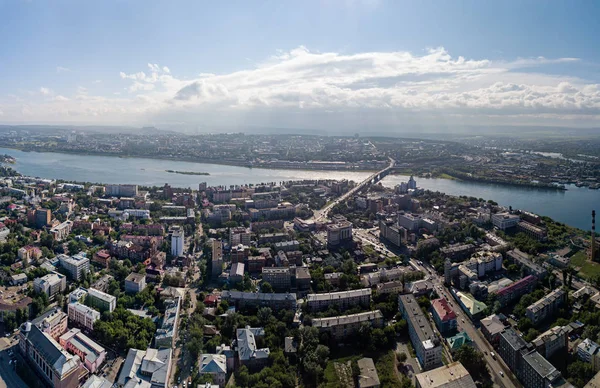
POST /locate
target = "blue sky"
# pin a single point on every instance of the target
(304, 63)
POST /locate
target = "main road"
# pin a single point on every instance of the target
(323, 212)
(464, 323)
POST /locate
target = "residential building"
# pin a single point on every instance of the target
(426, 344)
(343, 299)
(511, 347)
(135, 282)
(278, 277)
(56, 367)
(102, 257)
(150, 368)
(516, 290)
(287, 246)
(275, 301)
(239, 235)
(394, 287)
(552, 341)
(522, 259)
(393, 233)
(505, 220)
(29, 253)
(368, 377)
(237, 272)
(410, 222)
(83, 315)
(343, 326)
(538, 372)
(547, 306)
(121, 190)
(167, 332)
(43, 217)
(339, 233)
(101, 300)
(18, 279)
(256, 263)
(77, 265)
(420, 287)
(248, 352)
(589, 351)
(217, 258)
(61, 231)
(458, 252)
(492, 327)
(177, 241)
(89, 352)
(453, 375)
(214, 365)
(443, 316)
(50, 284)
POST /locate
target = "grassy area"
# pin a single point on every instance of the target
(578, 259)
(446, 176)
(587, 269)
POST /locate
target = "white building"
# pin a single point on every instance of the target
(135, 282)
(50, 284)
(122, 190)
(505, 221)
(60, 232)
(138, 213)
(177, 241)
(76, 265)
(409, 221)
(83, 315)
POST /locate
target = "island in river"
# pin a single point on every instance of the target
(187, 172)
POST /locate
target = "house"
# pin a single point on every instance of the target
(214, 365)
(248, 352)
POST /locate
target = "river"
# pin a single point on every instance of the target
(572, 207)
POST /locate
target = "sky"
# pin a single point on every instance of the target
(332, 65)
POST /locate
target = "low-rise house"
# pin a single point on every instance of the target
(214, 365)
(248, 352)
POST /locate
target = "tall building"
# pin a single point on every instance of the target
(217, 258)
(443, 316)
(122, 190)
(177, 241)
(505, 221)
(412, 183)
(135, 283)
(339, 233)
(240, 235)
(43, 217)
(50, 284)
(77, 265)
(279, 278)
(38, 344)
(426, 344)
(101, 300)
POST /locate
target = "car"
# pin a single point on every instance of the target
(501, 374)
(463, 321)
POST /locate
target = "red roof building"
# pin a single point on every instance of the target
(443, 315)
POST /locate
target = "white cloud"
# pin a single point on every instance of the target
(302, 87)
(60, 98)
(98, 81)
(60, 69)
(45, 91)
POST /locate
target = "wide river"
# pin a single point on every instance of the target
(572, 207)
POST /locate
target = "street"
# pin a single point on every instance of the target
(8, 374)
(464, 324)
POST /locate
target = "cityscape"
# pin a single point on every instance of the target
(299, 194)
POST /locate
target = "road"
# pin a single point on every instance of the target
(323, 212)
(464, 324)
(8, 375)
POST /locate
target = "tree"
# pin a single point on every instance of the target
(473, 361)
(266, 287)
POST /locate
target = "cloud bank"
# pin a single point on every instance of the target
(313, 89)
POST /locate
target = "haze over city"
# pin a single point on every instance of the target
(336, 66)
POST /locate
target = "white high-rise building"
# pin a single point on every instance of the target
(177, 241)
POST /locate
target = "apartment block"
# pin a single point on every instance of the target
(343, 299)
(61, 231)
(275, 301)
(344, 326)
(239, 235)
(101, 300)
(278, 277)
(50, 284)
(82, 315)
(217, 258)
(76, 265)
(505, 220)
(453, 375)
(426, 344)
(547, 306)
(166, 334)
(339, 233)
(552, 341)
(516, 290)
(443, 316)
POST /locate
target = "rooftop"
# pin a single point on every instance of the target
(135, 277)
(453, 375)
(246, 343)
(417, 319)
(332, 296)
(443, 310)
(541, 366)
(347, 319)
(368, 374)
